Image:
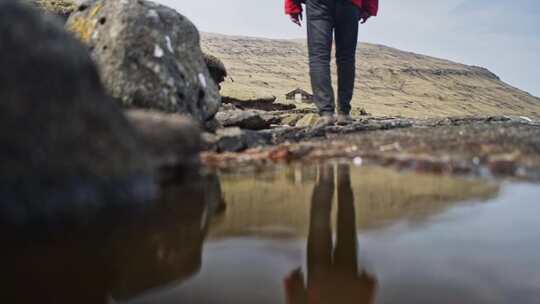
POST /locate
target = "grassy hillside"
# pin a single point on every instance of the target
(390, 81)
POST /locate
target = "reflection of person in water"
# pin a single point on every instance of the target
(333, 275)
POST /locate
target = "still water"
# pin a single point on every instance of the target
(330, 233)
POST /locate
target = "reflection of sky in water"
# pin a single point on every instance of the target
(484, 253)
(471, 253)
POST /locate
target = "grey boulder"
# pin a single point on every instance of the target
(216, 67)
(235, 139)
(173, 140)
(250, 120)
(149, 56)
(67, 151)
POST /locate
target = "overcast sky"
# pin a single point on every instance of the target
(501, 35)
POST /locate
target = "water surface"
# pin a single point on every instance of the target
(329, 233)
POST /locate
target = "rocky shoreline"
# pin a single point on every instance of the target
(478, 146)
(264, 130)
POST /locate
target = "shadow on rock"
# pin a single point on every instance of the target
(67, 149)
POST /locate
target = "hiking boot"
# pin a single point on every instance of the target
(344, 119)
(324, 120)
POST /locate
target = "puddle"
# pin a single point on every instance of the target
(311, 234)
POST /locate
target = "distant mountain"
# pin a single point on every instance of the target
(390, 81)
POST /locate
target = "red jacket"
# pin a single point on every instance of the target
(371, 6)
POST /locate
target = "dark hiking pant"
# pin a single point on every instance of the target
(326, 18)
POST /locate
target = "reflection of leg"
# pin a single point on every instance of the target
(319, 248)
(345, 256)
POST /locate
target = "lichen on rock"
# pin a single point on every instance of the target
(149, 56)
(84, 27)
(60, 8)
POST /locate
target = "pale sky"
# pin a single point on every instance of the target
(501, 35)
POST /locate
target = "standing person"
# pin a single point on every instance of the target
(326, 18)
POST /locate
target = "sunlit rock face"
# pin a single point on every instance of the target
(149, 56)
(67, 149)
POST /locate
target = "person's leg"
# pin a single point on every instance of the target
(320, 27)
(347, 17)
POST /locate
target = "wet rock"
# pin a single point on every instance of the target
(271, 118)
(249, 120)
(235, 140)
(480, 146)
(211, 125)
(173, 141)
(216, 68)
(263, 104)
(149, 56)
(67, 150)
(303, 130)
(467, 120)
(227, 107)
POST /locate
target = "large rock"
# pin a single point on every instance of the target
(173, 141)
(217, 69)
(149, 56)
(235, 140)
(66, 148)
(261, 103)
(250, 120)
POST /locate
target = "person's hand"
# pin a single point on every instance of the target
(364, 16)
(297, 19)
